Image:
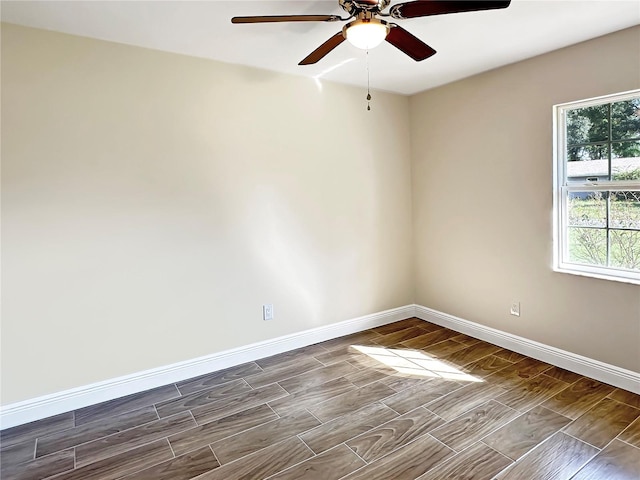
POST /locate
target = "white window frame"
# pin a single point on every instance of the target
(562, 188)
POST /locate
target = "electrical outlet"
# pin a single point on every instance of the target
(515, 309)
(267, 311)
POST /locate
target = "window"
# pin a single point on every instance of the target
(597, 187)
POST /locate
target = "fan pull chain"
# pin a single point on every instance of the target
(368, 91)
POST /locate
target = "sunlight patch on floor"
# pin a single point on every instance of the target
(416, 363)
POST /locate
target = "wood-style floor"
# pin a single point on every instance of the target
(409, 400)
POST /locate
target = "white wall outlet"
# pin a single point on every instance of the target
(515, 309)
(267, 311)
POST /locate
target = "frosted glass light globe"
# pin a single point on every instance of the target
(366, 34)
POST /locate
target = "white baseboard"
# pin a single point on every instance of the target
(616, 376)
(48, 405)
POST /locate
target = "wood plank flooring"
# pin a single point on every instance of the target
(409, 400)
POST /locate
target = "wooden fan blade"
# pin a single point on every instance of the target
(286, 18)
(409, 44)
(425, 8)
(323, 49)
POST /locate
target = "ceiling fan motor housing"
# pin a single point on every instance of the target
(353, 7)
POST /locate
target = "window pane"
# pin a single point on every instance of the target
(625, 119)
(625, 249)
(588, 246)
(625, 161)
(590, 124)
(588, 162)
(597, 151)
(587, 209)
(624, 210)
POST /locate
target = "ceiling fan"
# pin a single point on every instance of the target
(367, 31)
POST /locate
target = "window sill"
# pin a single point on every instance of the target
(586, 272)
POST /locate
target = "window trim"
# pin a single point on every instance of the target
(561, 187)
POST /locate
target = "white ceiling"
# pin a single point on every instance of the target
(467, 43)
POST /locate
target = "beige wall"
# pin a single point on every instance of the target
(151, 203)
(482, 169)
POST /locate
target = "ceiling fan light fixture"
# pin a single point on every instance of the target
(366, 33)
